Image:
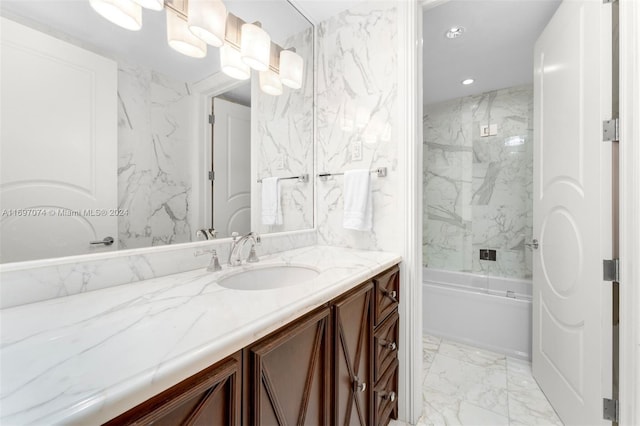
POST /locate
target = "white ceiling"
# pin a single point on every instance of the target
(496, 49)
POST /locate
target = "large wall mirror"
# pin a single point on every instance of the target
(112, 135)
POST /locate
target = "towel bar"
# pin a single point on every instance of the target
(302, 178)
(380, 171)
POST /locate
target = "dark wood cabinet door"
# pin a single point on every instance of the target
(288, 374)
(353, 327)
(211, 397)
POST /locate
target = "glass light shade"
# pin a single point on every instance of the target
(181, 39)
(151, 4)
(207, 20)
(291, 69)
(270, 83)
(232, 64)
(255, 47)
(124, 13)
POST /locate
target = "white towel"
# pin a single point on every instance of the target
(271, 210)
(358, 209)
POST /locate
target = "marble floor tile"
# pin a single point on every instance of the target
(463, 385)
(485, 387)
(439, 409)
(527, 404)
(430, 345)
(475, 356)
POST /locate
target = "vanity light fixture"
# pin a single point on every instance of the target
(151, 4)
(123, 13)
(291, 68)
(468, 81)
(255, 46)
(231, 62)
(270, 82)
(207, 20)
(183, 40)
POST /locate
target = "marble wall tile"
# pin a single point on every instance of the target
(156, 145)
(285, 142)
(478, 190)
(356, 120)
(29, 282)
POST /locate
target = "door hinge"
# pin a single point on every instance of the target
(611, 270)
(212, 119)
(610, 409)
(611, 130)
(212, 175)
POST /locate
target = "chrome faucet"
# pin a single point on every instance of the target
(237, 243)
(207, 233)
(214, 264)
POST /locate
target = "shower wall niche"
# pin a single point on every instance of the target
(478, 189)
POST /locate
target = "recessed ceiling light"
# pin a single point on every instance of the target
(467, 81)
(455, 32)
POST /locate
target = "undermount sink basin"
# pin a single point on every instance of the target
(268, 277)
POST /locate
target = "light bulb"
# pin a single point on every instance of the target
(232, 64)
(207, 20)
(181, 39)
(291, 69)
(255, 47)
(124, 13)
(270, 83)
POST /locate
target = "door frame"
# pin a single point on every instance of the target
(629, 382)
(629, 86)
(206, 90)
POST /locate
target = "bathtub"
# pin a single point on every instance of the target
(487, 312)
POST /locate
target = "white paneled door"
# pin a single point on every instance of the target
(232, 167)
(572, 211)
(58, 147)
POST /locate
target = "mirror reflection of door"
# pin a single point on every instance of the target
(58, 186)
(231, 184)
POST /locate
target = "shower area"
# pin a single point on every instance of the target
(477, 183)
(478, 101)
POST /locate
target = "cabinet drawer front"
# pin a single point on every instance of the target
(385, 343)
(387, 289)
(386, 396)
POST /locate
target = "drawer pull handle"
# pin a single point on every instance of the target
(391, 295)
(359, 387)
(391, 396)
(388, 345)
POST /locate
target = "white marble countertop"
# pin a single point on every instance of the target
(86, 358)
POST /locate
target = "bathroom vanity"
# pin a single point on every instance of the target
(321, 369)
(184, 348)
